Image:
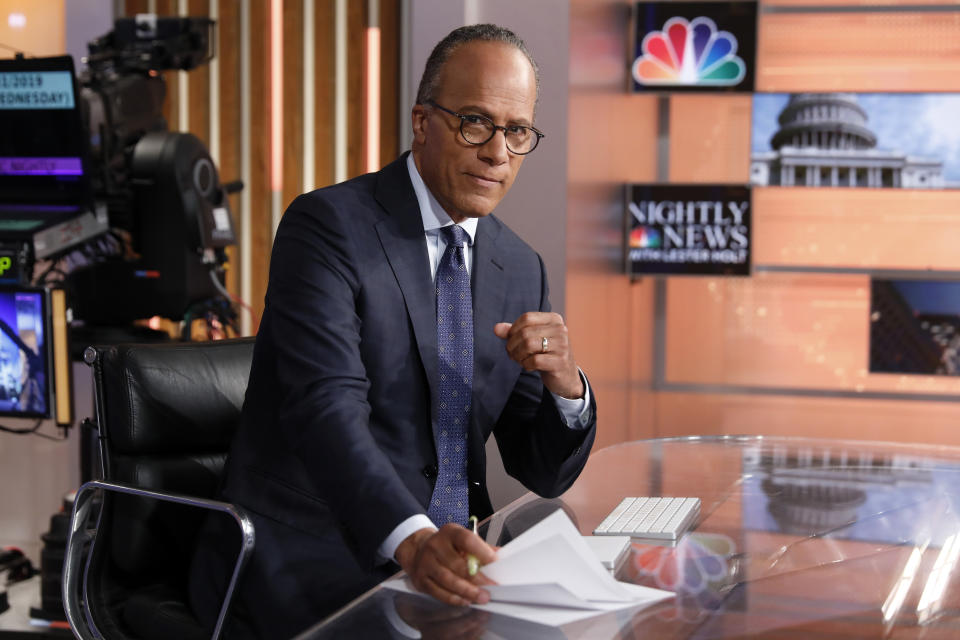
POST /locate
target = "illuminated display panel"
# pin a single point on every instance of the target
(694, 46)
(850, 140)
(24, 354)
(915, 326)
(42, 139)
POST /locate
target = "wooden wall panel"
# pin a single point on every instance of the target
(870, 51)
(681, 414)
(198, 84)
(863, 228)
(260, 234)
(42, 32)
(710, 138)
(356, 88)
(292, 101)
(324, 92)
(781, 330)
(168, 8)
(133, 7)
(390, 123)
(613, 138)
(228, 34)
(747, 329)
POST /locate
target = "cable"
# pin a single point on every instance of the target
(32, 429)
(15, 50)
(223, 291)
(49, 437)
(43, 278)
(219, 285)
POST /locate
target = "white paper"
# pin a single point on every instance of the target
(549, 575)
(545, 615)
(553, 560)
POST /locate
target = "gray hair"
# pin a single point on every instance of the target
(461, 36)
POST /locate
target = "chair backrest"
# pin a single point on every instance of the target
(166, 415)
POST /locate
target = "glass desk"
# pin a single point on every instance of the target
(796, 538)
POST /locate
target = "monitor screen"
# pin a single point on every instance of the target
(42, 140)
(915, 326)
(24, 354)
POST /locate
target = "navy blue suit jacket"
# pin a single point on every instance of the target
(339, 423)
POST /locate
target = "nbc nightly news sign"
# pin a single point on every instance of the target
(694, 46)
(688, 230)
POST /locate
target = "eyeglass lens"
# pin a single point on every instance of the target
(478, 130)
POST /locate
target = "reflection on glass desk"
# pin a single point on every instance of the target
(796, 538)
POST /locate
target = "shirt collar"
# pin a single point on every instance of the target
(431, 212)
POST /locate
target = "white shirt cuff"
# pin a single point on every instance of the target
(402, 531)
(575, 412)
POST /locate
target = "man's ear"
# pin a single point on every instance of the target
(418, 118)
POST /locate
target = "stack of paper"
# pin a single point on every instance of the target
(549, 575)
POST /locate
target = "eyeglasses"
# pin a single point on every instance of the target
(477, 130)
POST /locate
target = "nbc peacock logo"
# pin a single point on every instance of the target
(689, 53)
(645, 238)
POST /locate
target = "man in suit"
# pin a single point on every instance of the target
(403, 325)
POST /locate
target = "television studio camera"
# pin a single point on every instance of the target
(97, 196)
(106, 217)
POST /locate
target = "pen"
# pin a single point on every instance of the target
(473, 565)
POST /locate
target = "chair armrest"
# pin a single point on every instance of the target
(78, 616)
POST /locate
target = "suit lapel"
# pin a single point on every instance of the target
(401, 235)
(489, 295)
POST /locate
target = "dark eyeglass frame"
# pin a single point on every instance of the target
(496, 127)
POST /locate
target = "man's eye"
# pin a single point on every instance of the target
(519, 132)
(475, 120)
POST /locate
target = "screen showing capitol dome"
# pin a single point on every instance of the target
(866, 140)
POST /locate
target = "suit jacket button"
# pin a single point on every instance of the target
(430, 471)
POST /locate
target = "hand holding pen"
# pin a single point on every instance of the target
(437, 562)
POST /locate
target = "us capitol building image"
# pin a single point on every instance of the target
(824, 141)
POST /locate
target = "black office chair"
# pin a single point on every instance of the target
(165, 415)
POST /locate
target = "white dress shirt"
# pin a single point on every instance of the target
(435, 217)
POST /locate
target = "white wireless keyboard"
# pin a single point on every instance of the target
(658, 518)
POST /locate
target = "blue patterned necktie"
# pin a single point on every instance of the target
(450, 501)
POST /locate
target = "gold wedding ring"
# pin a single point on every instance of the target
(544, 343)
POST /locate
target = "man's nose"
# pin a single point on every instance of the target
(495, 149)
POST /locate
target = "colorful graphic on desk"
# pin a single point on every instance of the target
(701, 46)
(699, 570)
